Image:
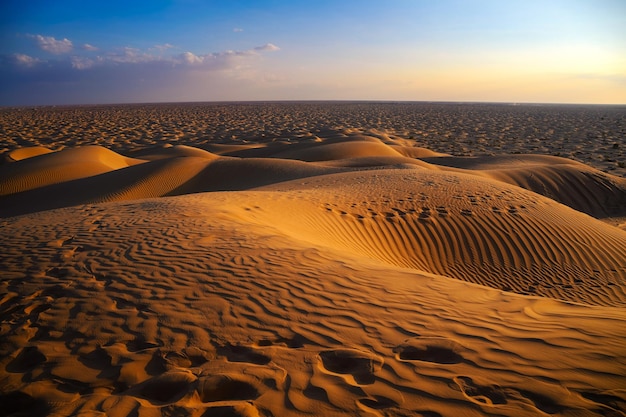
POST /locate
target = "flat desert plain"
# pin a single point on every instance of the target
(298, 259)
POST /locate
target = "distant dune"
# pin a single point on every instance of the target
(338, 274)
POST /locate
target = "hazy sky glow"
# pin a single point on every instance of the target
(72, 52)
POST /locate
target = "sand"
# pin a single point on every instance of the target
(339, 271)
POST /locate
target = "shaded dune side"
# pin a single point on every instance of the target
(574, 184)
(162, 152)
(342, 150)
(161, 177)
(492, 162)
(378, 162)
(317, 149)
(150, 179)
(416, 152)
(61, 166)
(464, 227)
(582, 188)
(234, 174)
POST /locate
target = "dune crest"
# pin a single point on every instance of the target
(459, 226)
(57, 167)
(25, 153)
(454, 217)
(569, 182)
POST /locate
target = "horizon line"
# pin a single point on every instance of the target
(363, 101)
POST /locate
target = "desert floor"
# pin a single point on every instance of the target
(293, 259)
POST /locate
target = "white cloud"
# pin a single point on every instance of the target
(52, 45)
(237, 30)
(191, 59)
(152, 56)
(82, 63)
(222, 60)
(26, 60)
(162, 48)
(270, 47)
(130, 74)
(128, 55)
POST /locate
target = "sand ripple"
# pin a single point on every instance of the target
(353, 279)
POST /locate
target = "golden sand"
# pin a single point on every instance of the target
(337, 271)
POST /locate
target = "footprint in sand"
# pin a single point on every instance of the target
(163, 361)
(425, 213)
(435, 350)
(236, 353)
(225, 388)
(480, 394)
(167, 388)
(543, 402)
(362, 366)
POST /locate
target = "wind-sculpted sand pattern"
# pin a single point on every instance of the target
(176, 305)
(593, 135)
(354, 274)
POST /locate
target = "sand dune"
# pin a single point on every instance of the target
(178, 306)
(453, 217)
(346, 274)
(56, 167)
(463, 227)
(24, 153)
(164, 152)
(574, 184)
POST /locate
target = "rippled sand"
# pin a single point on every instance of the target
(593, 135)
(313, 259)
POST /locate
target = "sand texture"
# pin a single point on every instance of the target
(342, 271)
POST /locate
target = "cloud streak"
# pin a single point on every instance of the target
(128, 55)
(89, 47)
(52, 45)
(77, 74)
(267, 47)
(26, 60)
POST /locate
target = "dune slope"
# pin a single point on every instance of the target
(182, 306)
(574, 184)
(460, 226)
(57, 167)
(352, 278)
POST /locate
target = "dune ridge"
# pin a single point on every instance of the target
(454, 217)
(569, 182)
(350, 273)
(463, 227)
(47, 168)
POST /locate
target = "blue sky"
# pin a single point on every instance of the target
(72, 52)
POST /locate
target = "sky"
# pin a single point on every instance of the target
(136, 51)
